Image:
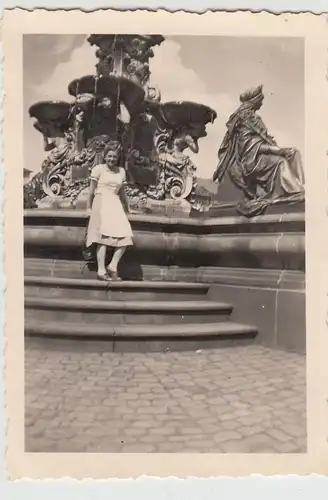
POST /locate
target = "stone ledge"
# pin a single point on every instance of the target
(143, 338)
(267, 250)
(149, 307)
(91, 288)
(244, 277)
(118, 285)
(237, 224)
(256, 278)
(140, 331)
(223, 209)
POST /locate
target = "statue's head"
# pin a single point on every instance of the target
(112, 153)
(253, 96)
(153, 93)
(69, 136)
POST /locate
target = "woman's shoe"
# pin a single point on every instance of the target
(104, 277)
(113, 275)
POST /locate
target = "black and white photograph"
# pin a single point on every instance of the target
(164, 244)
(163, 184)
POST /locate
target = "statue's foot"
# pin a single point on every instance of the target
(291, 198)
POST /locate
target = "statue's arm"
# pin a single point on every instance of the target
(124, 115)
(192, 143)
(273, 150)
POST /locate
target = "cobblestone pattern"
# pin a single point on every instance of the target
(80, 398)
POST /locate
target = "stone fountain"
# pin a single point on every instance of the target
(255, 265)
(119, 102)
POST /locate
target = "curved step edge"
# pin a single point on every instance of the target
(147, 332)
(94, 283)
(128, 305)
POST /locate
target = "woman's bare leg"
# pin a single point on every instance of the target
(101, 255)
(118, 254)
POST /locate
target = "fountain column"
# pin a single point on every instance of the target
(119, 102)
(127, 56)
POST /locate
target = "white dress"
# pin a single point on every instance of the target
(108, 224)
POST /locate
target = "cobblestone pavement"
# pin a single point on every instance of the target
(80, 398)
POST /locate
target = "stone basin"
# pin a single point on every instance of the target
(267, 241)
(112, 86)
(50, 110)
(182, 112)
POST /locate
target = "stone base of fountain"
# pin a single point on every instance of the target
(257, 265)
(167, 208)
(58, 202)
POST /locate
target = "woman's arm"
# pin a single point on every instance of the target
(91, 193)
(124, 198)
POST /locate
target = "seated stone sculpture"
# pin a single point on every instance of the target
(265, 172)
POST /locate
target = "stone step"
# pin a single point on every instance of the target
(145, 338)
(82, 288)
(129, 312)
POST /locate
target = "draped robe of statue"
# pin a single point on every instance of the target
(256, 165)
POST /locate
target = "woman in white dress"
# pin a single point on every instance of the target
(108, 224)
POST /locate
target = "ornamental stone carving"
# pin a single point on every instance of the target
(118, 103)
